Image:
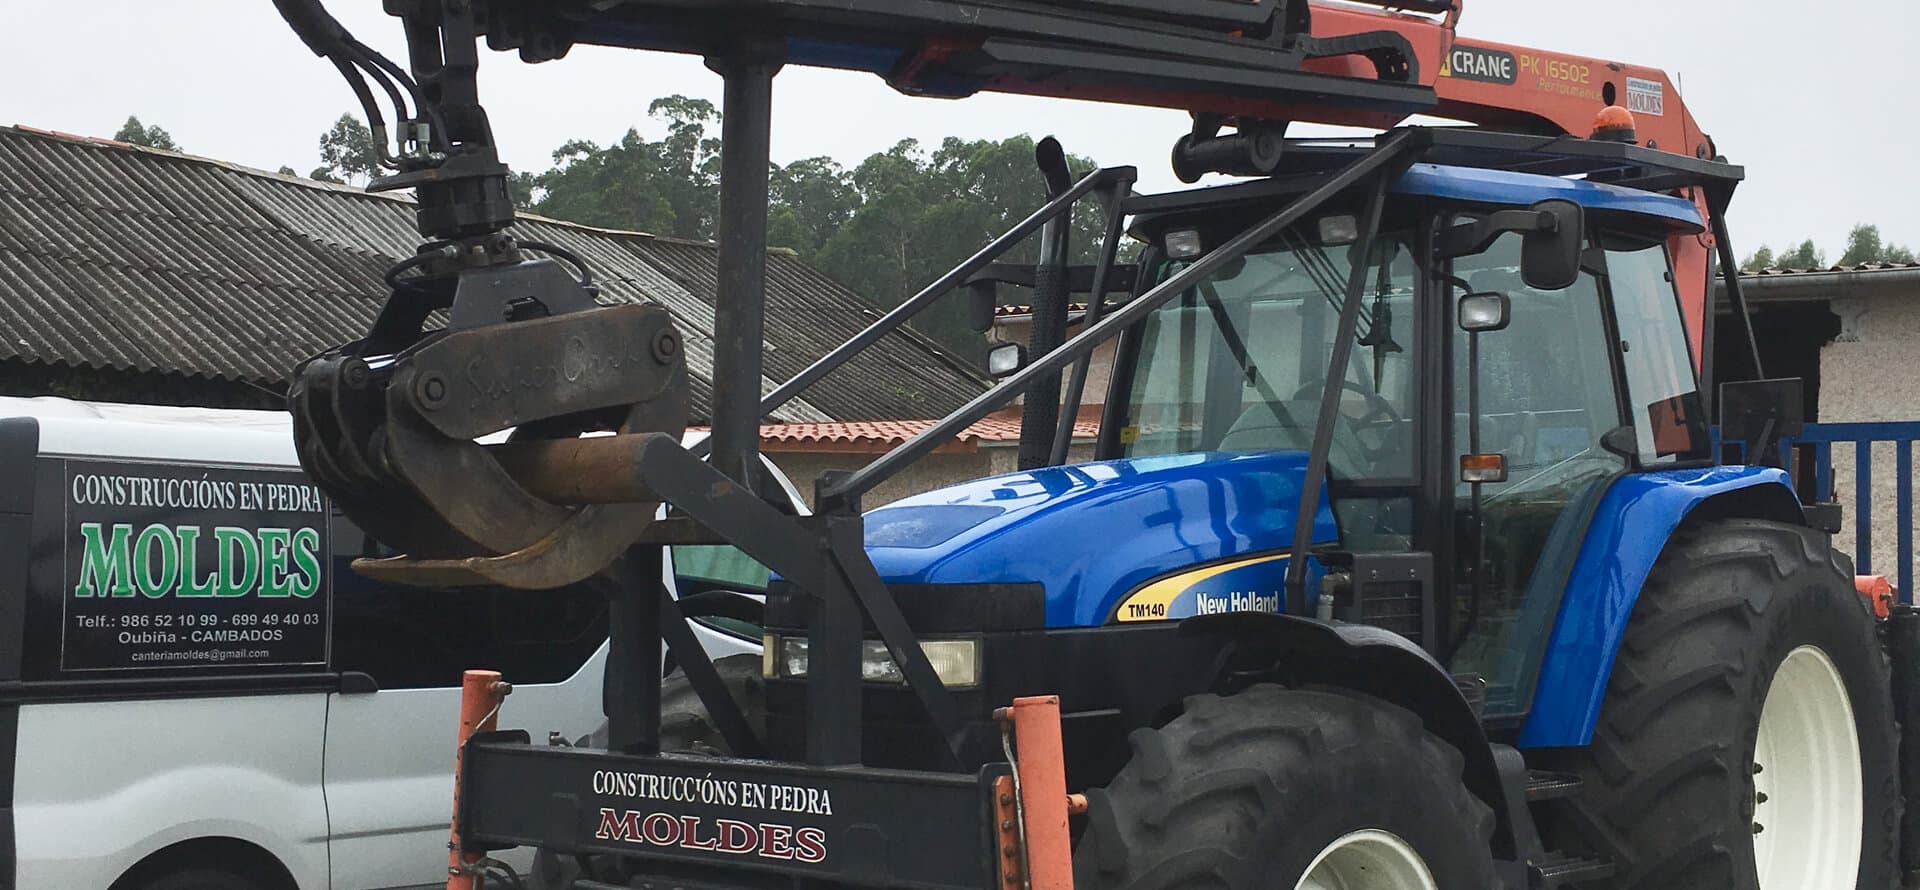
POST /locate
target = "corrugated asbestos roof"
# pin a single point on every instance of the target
(126, 258)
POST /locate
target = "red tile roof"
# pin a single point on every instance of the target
(875, 436)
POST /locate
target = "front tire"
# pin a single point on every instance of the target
(685, 726)
(1747, 740)
(1289, 789)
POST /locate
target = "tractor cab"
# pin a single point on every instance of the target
(1515, 347)
(1483, 409)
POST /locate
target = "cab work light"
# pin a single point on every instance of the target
(1184, 244)
(955, 662)
(1341, 229)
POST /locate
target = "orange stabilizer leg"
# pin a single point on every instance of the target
(1043, 792)
(480, 695)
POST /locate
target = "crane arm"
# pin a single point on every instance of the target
(1516, 88)
(1370, 63)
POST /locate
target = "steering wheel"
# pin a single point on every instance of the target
(1380, 414)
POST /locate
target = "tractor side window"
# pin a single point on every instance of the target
(1669, 421)
(1546, 397)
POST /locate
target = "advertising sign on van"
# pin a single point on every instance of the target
(184, 567)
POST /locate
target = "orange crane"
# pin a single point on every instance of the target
(1499, 86)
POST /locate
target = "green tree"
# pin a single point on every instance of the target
(1760, 261)
(1864, 245)
(808, 201)
(522, 187)
(347, 153)
(922, 213)
(138, 134)
(668, 187)
(884, 229)
(1802, 258)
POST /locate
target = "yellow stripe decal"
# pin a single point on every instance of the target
(1150, 603)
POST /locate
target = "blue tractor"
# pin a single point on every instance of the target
(1404, 558)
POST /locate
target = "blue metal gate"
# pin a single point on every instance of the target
(1822, 439)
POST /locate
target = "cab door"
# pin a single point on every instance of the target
(1540, 393)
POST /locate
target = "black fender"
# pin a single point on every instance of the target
(1371, 661)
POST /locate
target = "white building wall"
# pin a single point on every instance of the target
(1868, 374)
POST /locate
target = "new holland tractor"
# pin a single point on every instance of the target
(1404, 560)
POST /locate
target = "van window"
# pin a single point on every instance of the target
(412, 638)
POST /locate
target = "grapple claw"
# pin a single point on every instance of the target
(388, 426)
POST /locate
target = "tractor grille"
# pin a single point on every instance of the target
(1394, 606)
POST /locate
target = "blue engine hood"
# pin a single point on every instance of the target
(1094, 533)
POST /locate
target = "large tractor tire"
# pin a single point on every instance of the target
(1747, 740)
(1285, 789)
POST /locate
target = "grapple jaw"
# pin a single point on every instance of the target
(389, 426)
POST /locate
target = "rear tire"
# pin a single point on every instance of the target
(1257, 789)
(1670, 783)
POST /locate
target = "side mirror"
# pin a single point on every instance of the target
(1484, 312)
(1003, 360)
(1550, 253)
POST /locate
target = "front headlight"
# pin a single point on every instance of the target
(955, 662)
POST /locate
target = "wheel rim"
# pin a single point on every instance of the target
(1808, 800)
(1368, 860)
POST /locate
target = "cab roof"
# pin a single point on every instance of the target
(1221, 205)
(1506, 187)
(1480, 166)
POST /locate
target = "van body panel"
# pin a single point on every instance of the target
(101, 785)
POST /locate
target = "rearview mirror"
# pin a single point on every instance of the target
(1550, 253)
(1004, 359)
(1484, 312)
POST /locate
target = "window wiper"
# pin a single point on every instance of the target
(1321, 270)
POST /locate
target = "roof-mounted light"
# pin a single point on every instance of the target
(1184, 244)
(1615, 124)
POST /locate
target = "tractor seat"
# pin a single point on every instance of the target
(1288, 426)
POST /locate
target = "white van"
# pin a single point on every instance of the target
(197, 693)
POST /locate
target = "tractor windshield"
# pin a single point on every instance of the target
(1239, 362)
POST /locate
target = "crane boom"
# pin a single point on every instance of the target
(1517, 88)
(1256, 64)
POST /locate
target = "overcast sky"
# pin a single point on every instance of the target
(1812, 98)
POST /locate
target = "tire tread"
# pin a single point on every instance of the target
(1670, 752)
